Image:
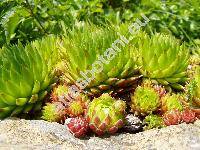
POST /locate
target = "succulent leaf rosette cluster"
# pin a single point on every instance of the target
(164, 59)
(25, 75)
(98, 59)
(149, 98)
(54, 112)
(197, 89)
(174, 116)
(153, 121)
(106, 115)
(62, 105)
(171, 102)
(193, 88)
(145, 100)
(78, 126)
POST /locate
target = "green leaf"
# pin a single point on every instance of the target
(10, 22)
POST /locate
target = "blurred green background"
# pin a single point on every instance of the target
(27, 20)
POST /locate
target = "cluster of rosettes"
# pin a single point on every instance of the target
(78, 126)
(153, 121)
(159, 107)
(193, 88)
(174, 117)
(149, 98)
(145, 100)
(62, 105)
(171, 117)
(103, 115)
(106, 115)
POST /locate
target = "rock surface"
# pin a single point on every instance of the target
(36, 134)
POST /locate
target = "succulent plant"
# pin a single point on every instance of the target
(170, 102)
(155, 85)
(172, 117)
(197, 112)
(78, 126)
(163, 58)
(54, 112)
(75, 109)
(153, 121)
(193, 88)
(195, 57)
(98, 59)
(75, 106)
(25, 75)
(188, 116)
(160, 90)
(106, 115)
(78, 106)
(59, 71)
(145, 100)
(60, 93)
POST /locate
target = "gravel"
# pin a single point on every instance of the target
(22, 134)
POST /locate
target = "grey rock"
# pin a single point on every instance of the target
(41, 135)
(133, 124)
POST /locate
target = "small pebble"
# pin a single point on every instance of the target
(133, 124)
